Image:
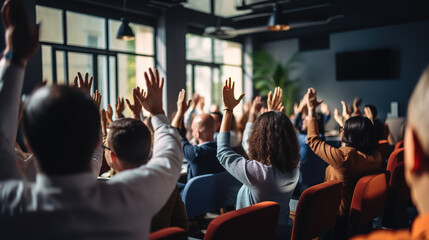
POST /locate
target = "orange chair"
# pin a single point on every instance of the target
(369, 199)
(395, 157)
(171, 233)
(395, 214)
(383, 148)
(317, 210)
(399, 144)
(258, 221)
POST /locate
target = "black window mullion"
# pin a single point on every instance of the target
(95, 70)
(54, 65)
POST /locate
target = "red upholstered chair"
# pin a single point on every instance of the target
(317, 210)
(171, 233)
(395, 157)
(369, 199)
(258, 221)
(395, 215)
(399, 144)
(383, 148)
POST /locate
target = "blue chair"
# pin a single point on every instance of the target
(210, 192)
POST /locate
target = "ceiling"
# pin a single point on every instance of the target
(352, 14)
(243, 14)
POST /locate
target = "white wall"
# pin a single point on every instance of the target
(318, 67)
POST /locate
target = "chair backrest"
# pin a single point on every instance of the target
(317, 210)
(399, 144)
(369, 199)
(383, 148)
(396, 157)
(258, 221)
(398, 188)
(210, 192)
(170, 233)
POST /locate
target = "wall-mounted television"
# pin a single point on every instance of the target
(374, 64)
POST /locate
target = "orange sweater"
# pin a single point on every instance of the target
(346, 164)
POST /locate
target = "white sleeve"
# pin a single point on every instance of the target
(97, 158)
(156, 180)
(187, 118)
(246, 136)
(11, 81)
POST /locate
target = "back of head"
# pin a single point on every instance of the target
(273, 141)
(206, 125)
(130, 140)
(359, 132)
(217, 116)
(62, 127)
(417, 115)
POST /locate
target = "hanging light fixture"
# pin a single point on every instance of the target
(125, 32)
(275, 23)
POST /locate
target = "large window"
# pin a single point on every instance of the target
(74, 42)
(209, 63)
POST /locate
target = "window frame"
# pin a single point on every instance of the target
(213, 64)
(95, 52)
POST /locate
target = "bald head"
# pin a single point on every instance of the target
(62, 126)
(203, 127)
(418, 114)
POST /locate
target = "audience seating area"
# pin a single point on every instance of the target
(317, 210)
(258, 221)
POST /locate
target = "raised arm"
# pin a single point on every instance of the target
(333, 156)
(163, 170)
(22, 41)
(182, 107)
(135, 108)
(253, 112)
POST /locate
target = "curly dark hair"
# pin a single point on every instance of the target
(273, 141)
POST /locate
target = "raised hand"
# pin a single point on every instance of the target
(229, 101)
(201, 103)
(338, 118)
(312, 102)
(152, 99)
(137, 107)
(182, 107)
(109, 114)
(274, 102)
(324, 109)
(369, 114)
(119, 107)
(182, 104)
(345, 112)
(103, 119)
(96, 98)
(302, 103)
(255, 109)
(256, 106)
(195, 100)
(84, 85)
(22, 40)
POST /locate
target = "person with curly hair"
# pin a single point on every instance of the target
(273, 174)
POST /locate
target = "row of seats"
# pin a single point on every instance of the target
(373, 195)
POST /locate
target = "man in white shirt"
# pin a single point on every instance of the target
(61, 126)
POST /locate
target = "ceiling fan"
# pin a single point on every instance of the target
(274, 24)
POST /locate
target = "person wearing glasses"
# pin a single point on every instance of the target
(357, 157)
(61, 125)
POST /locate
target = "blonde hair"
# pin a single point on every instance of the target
(418, 112)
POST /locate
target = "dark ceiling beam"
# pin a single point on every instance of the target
(359, 15)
